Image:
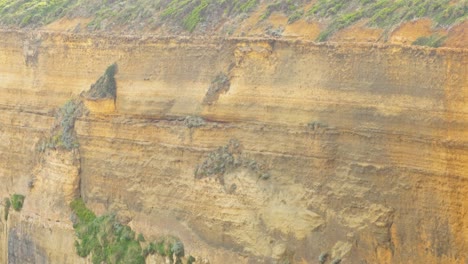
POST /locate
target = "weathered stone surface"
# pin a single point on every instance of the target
(366, 144)
(21, 249)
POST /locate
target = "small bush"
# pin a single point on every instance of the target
(228, 158)
(218, 85)
(105, 86)
(63, 134)
(68, 114)
(191, 260)
(323, 258)
(82, 212)
(17, 201)
(275, 32)
(194, 121)
(161, 248)
(104, 238)
(219, 161)
(151, 249)
(178, 249)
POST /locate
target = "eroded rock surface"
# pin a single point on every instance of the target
(365, 146)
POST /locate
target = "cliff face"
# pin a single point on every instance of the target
(364, 147)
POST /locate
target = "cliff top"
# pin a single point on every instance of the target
(429, 23)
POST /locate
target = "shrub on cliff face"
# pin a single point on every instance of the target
(219, 161)
(17, 201)
(105, 86)
(191, 260)
(106, 240)
(194, 121)
(228, 158)
(63, 134)
(220, 84)
(80, 210)
(67, 116)
(323, 257)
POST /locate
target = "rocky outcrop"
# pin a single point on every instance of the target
(364, 145)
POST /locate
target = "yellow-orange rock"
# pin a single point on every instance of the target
(366, 144)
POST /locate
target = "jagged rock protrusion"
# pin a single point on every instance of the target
(101, 97)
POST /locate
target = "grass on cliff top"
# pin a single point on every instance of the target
(189, 14)
(386, 13)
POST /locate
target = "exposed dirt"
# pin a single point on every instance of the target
(358, 33)
(408, 32)
(68, 25)
(458, 36)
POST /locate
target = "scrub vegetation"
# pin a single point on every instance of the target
(105, 86)
(190, 14)
(433, 41)
(226, 159)
(106, 240)
(386, 13)
(16, 201)
(63, 135)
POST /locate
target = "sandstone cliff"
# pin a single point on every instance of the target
(364, 146)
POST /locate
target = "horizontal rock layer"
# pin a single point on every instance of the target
(365, 144)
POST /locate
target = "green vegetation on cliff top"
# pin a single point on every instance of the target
(190, 14)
